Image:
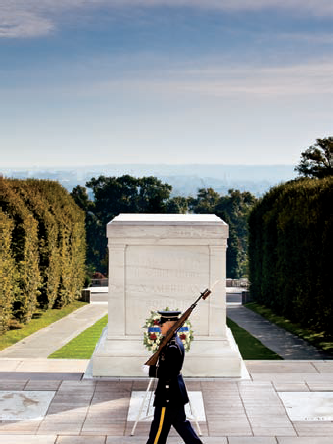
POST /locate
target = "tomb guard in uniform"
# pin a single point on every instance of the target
(170, 394)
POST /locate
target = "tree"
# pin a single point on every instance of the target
(234, 209)
(177, 205)
(127, 194)
(205, 202)
(93, 227)
(115, 195)
(317, 160)
(81, 198)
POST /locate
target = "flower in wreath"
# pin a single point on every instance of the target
(152, 335)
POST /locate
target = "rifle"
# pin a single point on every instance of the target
(177, 325)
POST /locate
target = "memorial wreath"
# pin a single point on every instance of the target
(152, 335)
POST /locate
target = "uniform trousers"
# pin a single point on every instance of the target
(164, 418)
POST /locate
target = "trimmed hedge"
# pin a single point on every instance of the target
(8, 272)
(43, 248)
(290, 251)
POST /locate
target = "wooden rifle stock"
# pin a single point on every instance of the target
(177, 325)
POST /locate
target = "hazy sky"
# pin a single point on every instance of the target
(164, 81)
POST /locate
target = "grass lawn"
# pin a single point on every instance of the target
(83, 345)
(315, 338)
(40, 320)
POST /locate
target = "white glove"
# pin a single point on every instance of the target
(145, 369)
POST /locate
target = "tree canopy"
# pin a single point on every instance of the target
(317, 160)
(115, 195)
(127, 194)
(234, 209)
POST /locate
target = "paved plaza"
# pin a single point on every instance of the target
(49, 401)
(83, 411)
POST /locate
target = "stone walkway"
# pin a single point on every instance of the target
(95, 411)
(273, 337)
(49, 339)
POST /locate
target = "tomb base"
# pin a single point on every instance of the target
(124, 356)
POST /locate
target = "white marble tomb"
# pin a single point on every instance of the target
(166, 260)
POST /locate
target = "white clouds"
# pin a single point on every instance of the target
(22, 23)
(293, 80)
(20, 19)
(322, 38)
(31, 18)
(316, 7)
(264, 83)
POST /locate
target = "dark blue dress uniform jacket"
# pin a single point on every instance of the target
(170, 389)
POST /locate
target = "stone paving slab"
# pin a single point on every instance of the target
(81, 439)
(294, 377)
(302, 440)
(42, 385)
(38, 376)
(19, 427)
(171, 440)
(315, 428)
(284, 367)
(52, 365)
(320, 386)
(324, 366)
(12, 384)
(308, 406)
(9, 365)
(42, 365)
(102, 439)
(23, 439)
(237, 412)
(291, 387)
(251, 440)
(20, 405)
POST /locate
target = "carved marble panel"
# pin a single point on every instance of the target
(165, 276)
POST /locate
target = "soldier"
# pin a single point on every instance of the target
(170, 394)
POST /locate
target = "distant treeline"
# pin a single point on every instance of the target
(43, 249)
(290, 252)
(185, 179)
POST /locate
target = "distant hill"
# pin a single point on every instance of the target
(185, 179)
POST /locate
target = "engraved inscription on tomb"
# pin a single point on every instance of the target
(165, 270)
(169, 275)
(162, 288)
(152, 272)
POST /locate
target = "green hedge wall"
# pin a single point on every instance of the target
(43, 248)
(8, 272)
(290, 251)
